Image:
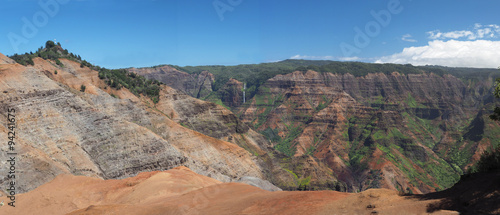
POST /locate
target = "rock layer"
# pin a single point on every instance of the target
(63, 130)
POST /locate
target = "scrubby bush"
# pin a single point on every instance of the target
(118, 78)
(489, 161)
(25, 59)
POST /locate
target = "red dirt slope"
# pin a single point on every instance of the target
(181, 191)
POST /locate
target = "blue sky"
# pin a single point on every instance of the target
(138, 33)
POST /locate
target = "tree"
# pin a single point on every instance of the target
(49, 44)
(496, 113)
(82, 88)
(301, 68)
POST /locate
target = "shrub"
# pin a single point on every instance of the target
(488, 162)
(59, 63)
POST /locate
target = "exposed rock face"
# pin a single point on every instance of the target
(204, 117)
(195, 85)
(232, 93)
(379, 130)
(62, 130)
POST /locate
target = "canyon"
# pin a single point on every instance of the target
(414, 130)
(379, 132)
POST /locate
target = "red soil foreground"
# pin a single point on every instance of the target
(181, 191)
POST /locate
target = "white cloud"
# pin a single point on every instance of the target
(307, 57)
(407, 38)
(349, 58)
(479, 32)
(479, 54)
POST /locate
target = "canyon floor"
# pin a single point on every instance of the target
(181, 191)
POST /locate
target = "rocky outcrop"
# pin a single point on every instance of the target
(195, 85)
(231, 93)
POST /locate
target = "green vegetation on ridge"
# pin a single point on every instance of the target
(115, 78)
(255, 75)
(118, 78)
(52, 51)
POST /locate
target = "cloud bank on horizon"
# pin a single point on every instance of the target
(477, 48)
(453, 53)
(465, 48)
